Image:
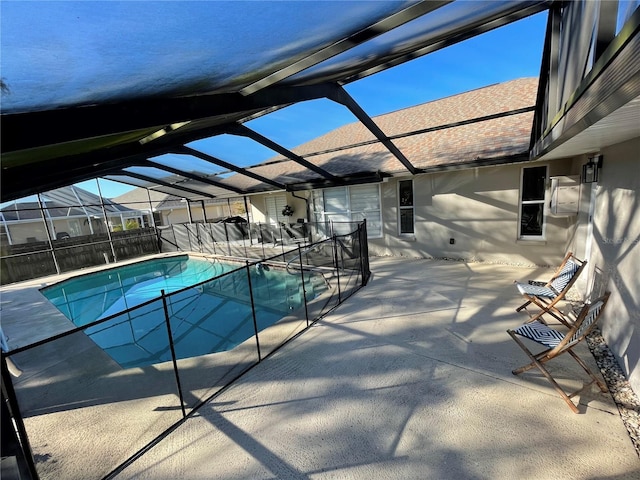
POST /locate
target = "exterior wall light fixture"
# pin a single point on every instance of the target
(591, 169)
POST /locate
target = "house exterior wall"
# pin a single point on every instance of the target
(25, 231)
(259, 206)
(615, 253)
(477, 208)
(180, 214)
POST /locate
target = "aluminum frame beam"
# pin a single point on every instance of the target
(192, 176)
(156, 181)
(340, 95)
(138, 115)
(410, 13)
(184, 150)
(244, 131)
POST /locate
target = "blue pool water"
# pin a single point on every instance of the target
(209, 318)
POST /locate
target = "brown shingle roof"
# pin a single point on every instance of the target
(501, 137)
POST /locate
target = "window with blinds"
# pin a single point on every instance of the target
(275, 205)
(343, 205)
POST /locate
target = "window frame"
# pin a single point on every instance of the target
(279, 218)
(543, 202)
(323, 215)
(412, 207)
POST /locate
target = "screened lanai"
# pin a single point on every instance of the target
(131, 104)
(129, 91)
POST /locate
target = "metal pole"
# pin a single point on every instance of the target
(335, 257)
(253, 311)
(6, 229)
(281, 239)
(175, 240)
(304, 288)
(75, 194)
(204, 211)
(226, 236)
(188, 230)
(360, 251)
(106, 222)
(246, 211)
(189, 210)
(198, 237)
(153, 220)
(14, 408)
(46, 229)
(173, 351)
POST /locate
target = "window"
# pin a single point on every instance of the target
(275, 205)
(532, 193)
(343, 205)
(405, 206)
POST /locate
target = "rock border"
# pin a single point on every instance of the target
(623, 395)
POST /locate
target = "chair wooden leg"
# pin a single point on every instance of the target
(603, 388)
(536, 363)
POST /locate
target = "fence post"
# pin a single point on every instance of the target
(106, 222)
(281, 238)
(188, 230)
(198, 237)
(253, 310)
(335, 260)
(226, 235)
(173, 350)
(12, 403)
(360, 251)
(175, 242)
(244, 240)
(304, 287)
(47, 230)
(261, 236)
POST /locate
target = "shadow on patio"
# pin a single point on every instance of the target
(411, 378)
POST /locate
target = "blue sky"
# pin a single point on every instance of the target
(507, 53)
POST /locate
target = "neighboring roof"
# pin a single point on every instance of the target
(70, 201)
(172, 202)
(138, 198)
(482, 127)
(117, 86)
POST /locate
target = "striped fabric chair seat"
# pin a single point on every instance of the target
(546, 296)
(564, 277)
(535, 290)
(557, 343)
(541, 333)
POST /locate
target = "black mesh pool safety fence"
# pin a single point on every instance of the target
(93, 398)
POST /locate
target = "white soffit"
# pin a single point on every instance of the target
(620, 126)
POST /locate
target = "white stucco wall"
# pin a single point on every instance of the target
(615, 257)
(181, 214)
(259, 206)
(478, 208)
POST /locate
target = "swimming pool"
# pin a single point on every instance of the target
(213, 316)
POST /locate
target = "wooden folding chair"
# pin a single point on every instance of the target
(546, 295)
(558, 343)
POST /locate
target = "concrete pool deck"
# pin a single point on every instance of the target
(409, 379)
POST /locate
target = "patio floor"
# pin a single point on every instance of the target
(409, 379)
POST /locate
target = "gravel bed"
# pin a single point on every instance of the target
(623, 395)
